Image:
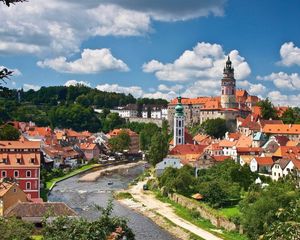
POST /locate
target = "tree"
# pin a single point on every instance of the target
(267, 109)
(112, 121)
(215, 127)
(290, 116)
(12, 228)
(158, 148)
(105, 227)
(9, 133)
(120, 142)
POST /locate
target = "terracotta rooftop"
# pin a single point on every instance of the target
(227, 143)
(87, 146)
(4, 187)
(221, 158)
(200, 137)
(187, 149)
(264, 161)
(289, 152)
(22, 159)
(246, 158)
(20, 144)
(244, 141)
(282, 128)
(31, 209)
(116, 132)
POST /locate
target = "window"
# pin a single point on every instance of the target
(179, 140)
(179, 123)
(28, 185)
(16, 174)
(18, 160)
(28, 173)
(15, 190)
(3, 174)
(32, 160)
(179, 132)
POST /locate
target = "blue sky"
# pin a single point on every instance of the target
(153, 48)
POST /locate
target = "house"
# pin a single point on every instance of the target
(202, 139)
(35, 212)
(134, 145)
(259, 139)
(214, 149)
(10, 194)
(274, 143)
(90, 150)
(21, 160)
(205, 161)
(229, 148)
(287, 152)
(245, 159)
(128, 111)
(292, 131)
(282, 168)
(165, 163)
(261, 164)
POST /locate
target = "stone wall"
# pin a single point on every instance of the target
(158, 122)
(218, 221)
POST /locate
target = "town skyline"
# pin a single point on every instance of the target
(150, 50)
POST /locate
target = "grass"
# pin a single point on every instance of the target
(37, 237)
(72, 173)
(195, 218)
(230, 212)
(122, 195)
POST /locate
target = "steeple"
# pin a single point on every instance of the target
(179, 107)
(178, 124)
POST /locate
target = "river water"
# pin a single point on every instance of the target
(82, 196)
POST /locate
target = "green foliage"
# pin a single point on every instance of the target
(103, 228)
(120, 142)
(291, 116)
(260, 206)
(112, 121)
(267, 109)
(214, 127)
(158, 148)
(8, 132)
(12, 228)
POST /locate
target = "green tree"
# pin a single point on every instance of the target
(158, 148)
(83, 100)
(214, 127)
(12, 228)
(267, 109)
(120, 142)
(8, 132)
(112, 121)
(290, 116)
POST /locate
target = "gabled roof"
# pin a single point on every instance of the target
(185, 149)
(262, 161)
(4, 187)
(32, 209)
(282, 128)
(116, 132)
(289, 152)
(246, 158)
(20, 145)
(227, 143)
(200, 137)
(283, 163)
(87, 146)
(244, 141)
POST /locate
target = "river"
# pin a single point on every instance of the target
(82, 196)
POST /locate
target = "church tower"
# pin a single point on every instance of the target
(228, 98)
(179, 124)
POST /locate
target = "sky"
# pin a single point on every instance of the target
(154, 48)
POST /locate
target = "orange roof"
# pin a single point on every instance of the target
(235, 135)
(214, 146)
(296, 163)
(282, 128)
(221, 158)
(116, 132)
(256, 110)
(252, 99)
(289, 152)
(185, 149)
(281, 109)
(87, 146)
(39, 131)
(291, 143)
(244, 141)
(212, 104)
(20, 144)
(24, 157)
(198, 100)
(264, 160)
(249, 149)
(246, 158)
(227, 143)
(4, 187)
(200, 137)
(241, 93)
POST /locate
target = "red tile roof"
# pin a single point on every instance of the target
(20, 145)
(221, 158)
(282, 128)
(116, 132)
(263, 161)
(187, 149)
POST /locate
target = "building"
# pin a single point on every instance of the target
(134, 145)
(21, 160)
(165, 163)
(128, 111)
(90, 150)
(292, 131)
(179, 128)
(10, 194)
(232, 103)
(282, 168)
(261, 164)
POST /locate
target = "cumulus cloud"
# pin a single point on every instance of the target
(165, 88)
(290, 54)
(283, 80)
(205, 61)
(277, 98)
(75, 83)
(136, 91)
(254, 89)
(27, 87)
(53, 27)
(91, 61)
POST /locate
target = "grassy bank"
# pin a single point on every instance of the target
(197, 220)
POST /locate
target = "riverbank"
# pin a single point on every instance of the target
(146, 203)
(94, 176)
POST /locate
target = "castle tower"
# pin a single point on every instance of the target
(228, 98)
(179, 124)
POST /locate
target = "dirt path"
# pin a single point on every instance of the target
(150, 203)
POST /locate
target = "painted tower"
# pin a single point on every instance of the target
(228, 99)
(179, 124)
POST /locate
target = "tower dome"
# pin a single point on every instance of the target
(179, 108)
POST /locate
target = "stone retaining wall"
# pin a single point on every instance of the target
(218, 221)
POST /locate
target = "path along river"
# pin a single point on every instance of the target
(82, 196)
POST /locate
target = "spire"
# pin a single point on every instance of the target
(179, 107)
(228, 66)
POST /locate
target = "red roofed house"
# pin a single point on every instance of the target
(292, 131)
(261, 164)
(134, 146)
(90, 150)
(22, 161)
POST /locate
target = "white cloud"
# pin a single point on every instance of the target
(205, 61)
(136, 91)
(290, 54)
(75, 83)
(164, 95)
(27, 87)
(283, 80)
(91, 61)
(202, 88)
(277, 98)
(165, 88)
(254, 89)
(58, 27)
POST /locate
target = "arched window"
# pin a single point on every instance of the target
(28, 185)
(28, 173)
(16, 173)
(179, 123)
(3, 174)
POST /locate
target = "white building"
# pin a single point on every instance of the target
(281, 168)
(179, 124)
(165, 163)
